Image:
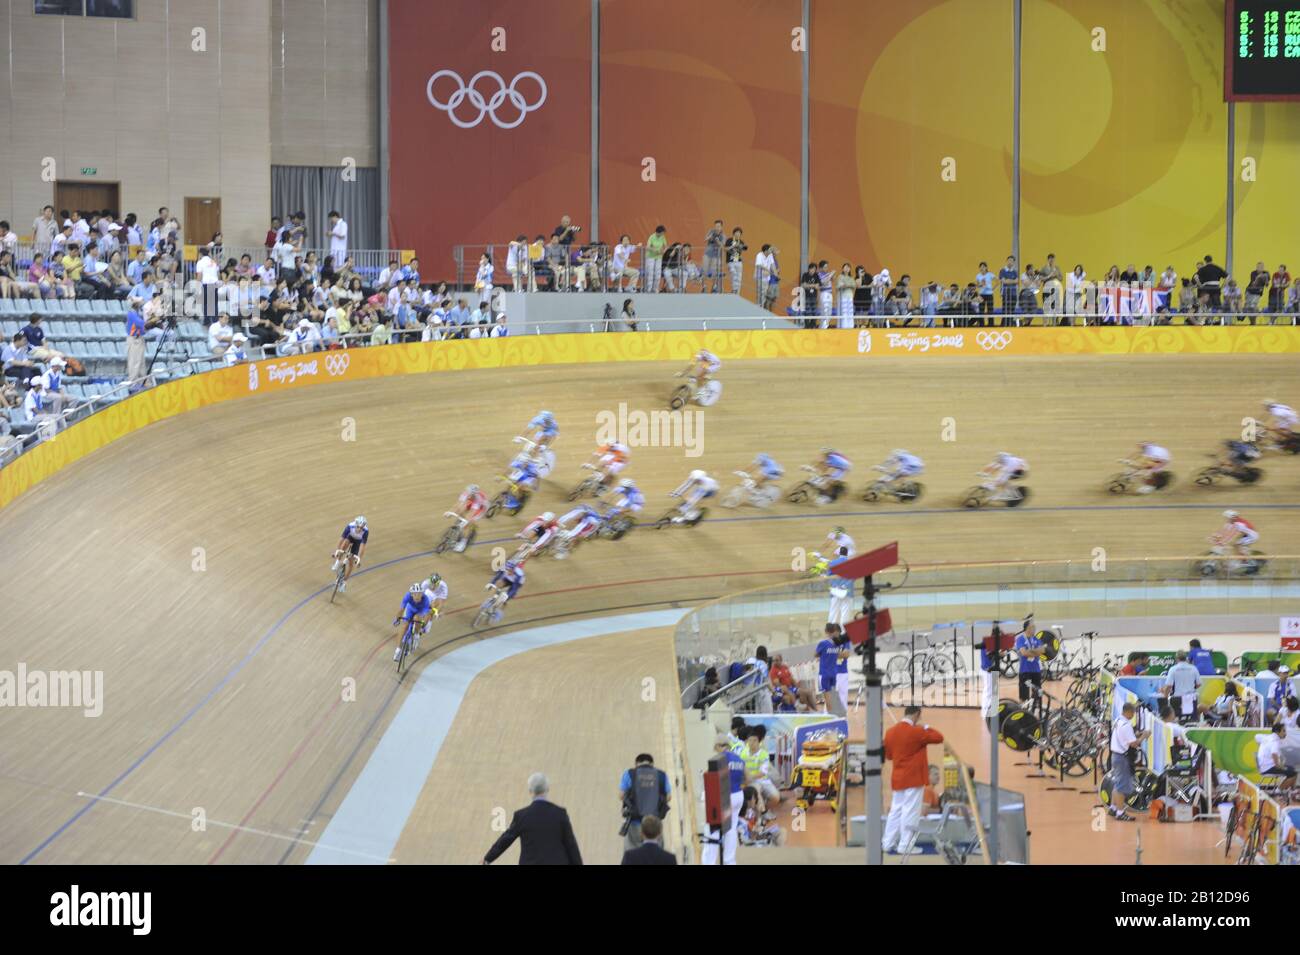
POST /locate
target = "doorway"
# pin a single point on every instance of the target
(85, 196)
(202, 219)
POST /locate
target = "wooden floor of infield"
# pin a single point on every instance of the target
(186, 561)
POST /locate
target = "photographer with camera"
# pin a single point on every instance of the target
(643, 791)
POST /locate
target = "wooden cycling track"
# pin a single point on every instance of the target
(188, 562)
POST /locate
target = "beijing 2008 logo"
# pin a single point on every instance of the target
(487, 107)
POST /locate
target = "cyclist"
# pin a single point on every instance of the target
(542, 430)
(523, 472)
(842, 543)
(577, 525)
(352, 547)
(417, 609)
(696, 488)
(435, 588)
(511, 576)
(472, 506)
(536, 536)
(1000, 473)
(1149, 461)
(702, 368)
(1236, 456)
(765, 469)
(900, 464)
(831, 468)
(1281, 421)
(1236, 533)
(627, 498)
(608, 460)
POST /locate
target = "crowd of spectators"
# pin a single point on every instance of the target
(852, 296)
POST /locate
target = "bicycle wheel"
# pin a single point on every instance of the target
(405, 650)
(681, 395)
(733, 498)
(975, 497)
(1234, 816)
(338, 581)
(449, 538)
(1205, 476)
(909, 491)
(799, 493)
(897, 672)
(484, 615)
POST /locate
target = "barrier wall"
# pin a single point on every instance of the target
(280, 374)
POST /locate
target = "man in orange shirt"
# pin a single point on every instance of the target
(905, 745)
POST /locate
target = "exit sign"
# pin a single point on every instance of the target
(88, 170)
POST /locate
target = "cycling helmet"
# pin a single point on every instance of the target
(359, 521)
(472, 489)
(828, 450)
(836, 531)
(546, 416)
(434, 580)
(511, 565)
(1230, 515)
(548, 516)
(620, 448)
(416, 588)
(698, 475)
(897, 452)
(626, 482)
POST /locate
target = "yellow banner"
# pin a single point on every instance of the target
(279, 374)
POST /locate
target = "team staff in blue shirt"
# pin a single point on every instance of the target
(736, 767)
(1201, 658)
(1030, 650)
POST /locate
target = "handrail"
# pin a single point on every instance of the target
(957, 565)
(704, 702)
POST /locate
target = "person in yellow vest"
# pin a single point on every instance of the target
(758, 768)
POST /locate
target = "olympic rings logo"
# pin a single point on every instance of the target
(486, 107)
(993, 341)
(337, 363)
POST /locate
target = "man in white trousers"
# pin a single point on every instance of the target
(905, 747)
(730, 838)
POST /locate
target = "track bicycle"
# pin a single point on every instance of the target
(492, 609)
(341, 558)
(460, 531)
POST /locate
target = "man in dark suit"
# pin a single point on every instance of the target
(543, 828)
(650, 852)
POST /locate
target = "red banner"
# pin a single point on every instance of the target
(489, 122)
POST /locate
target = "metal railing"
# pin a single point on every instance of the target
(594, 268)
(794, 614)
(368, 263)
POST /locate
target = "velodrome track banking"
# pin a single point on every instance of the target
(279, 374)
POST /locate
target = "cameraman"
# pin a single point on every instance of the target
(642, 791)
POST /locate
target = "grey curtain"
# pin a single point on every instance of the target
(316, 190)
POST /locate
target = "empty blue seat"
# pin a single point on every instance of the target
(99, 307)
(83, 306)
(7, 306)
(115, 307)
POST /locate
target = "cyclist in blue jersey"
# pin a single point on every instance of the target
(415, 608)
(351, 548)
(542, 429)
(511, 577)
(831, 468)
(627, 499)
(765, 469)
